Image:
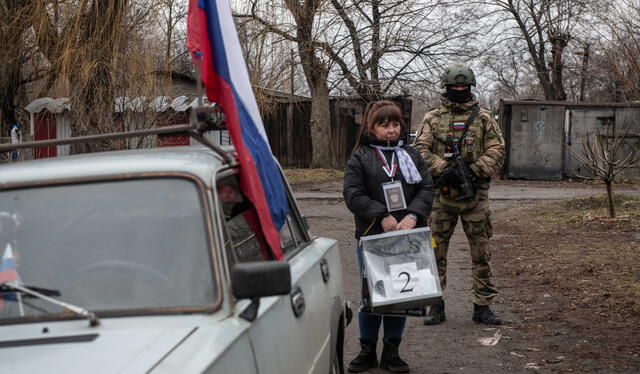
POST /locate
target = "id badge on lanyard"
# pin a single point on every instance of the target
(393, 194)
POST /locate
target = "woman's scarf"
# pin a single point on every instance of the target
(407, 167)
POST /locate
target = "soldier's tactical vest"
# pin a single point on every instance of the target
(472, 146)
(471, 149)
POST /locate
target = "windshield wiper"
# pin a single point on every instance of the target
(93, 319)
(4, 288)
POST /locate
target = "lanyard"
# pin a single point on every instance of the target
(389, 170)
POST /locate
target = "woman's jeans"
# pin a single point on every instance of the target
(370, 323)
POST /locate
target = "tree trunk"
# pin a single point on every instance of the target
(321, 128)
(94, 93)
(10, 76)
(558, 44)
(315, 72)
(612, 208)
(15, 19)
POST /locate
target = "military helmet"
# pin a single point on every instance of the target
(458, 74)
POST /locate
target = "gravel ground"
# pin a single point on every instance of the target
(454, 346)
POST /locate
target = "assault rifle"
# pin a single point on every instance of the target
(465, 175)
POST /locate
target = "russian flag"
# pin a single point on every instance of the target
(8, 266)
(212, 38)
(8, 273)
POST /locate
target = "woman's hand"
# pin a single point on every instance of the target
(389, 223)
(407, 223)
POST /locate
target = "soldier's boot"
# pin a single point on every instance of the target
(436, 314)
(390, 358)
(483, 314)
(366, 358)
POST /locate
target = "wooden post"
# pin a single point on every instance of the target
(290, 156)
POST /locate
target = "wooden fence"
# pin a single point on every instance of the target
(286, 122)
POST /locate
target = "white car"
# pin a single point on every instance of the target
(143, 261)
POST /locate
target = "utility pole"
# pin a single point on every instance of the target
(583, 70)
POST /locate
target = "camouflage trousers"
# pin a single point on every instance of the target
(476, 222)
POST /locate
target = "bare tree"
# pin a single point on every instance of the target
(302, 30)
(369, 48)
(172, 13)
(544, 29)
(96, 50)
(270, 59)
(18, 63)
(620, 64)
(385, 46)
(606, 156)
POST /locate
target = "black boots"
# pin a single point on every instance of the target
(366, 358)
(436, 314)
(390, 358)
(482, 314)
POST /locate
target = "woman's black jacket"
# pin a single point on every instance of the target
(363, 193)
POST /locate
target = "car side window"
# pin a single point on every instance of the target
(241, 242)
(292, 236)
(288, 239)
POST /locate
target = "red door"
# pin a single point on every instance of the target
(173, 118)
(45, 129)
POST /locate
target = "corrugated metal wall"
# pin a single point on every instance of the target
(536, 142)
(536, 133)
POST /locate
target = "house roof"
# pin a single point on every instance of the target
(52, 105)
(589, 104)
(122, 104)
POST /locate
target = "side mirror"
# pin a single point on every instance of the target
(252, 280)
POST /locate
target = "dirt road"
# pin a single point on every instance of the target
(454, 346)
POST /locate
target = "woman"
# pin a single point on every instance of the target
(381, 160)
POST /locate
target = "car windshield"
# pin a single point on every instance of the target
(106, 246)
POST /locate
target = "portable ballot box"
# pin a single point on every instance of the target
(401, 271)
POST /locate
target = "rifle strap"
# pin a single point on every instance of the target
(467, 123)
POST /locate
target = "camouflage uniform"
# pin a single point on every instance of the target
(483, 150)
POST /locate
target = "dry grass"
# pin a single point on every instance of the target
(570, 276)
(298, 176)
(590, 210)
(573, 249)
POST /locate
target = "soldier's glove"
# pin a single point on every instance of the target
(448, 177)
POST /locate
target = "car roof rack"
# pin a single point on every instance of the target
(202, 120)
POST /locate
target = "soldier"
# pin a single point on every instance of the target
(459, 124)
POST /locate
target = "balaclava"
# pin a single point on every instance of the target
(458, 96)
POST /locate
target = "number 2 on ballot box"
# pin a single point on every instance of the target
(404, 278)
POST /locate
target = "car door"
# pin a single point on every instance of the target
(292, 333)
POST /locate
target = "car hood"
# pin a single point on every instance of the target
(110, 348)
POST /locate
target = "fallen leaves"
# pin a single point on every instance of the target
(590, 217)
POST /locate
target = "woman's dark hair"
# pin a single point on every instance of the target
(375, 113)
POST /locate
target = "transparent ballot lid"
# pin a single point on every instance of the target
(401, 270)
